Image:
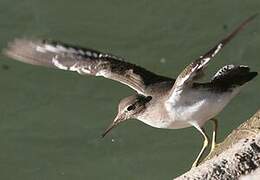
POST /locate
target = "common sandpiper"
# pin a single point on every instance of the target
(159, 101)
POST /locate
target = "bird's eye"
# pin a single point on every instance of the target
(131, 107)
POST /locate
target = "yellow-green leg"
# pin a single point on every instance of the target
(205, 144)
(214, 134)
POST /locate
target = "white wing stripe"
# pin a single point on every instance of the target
(58, 64)
(40, 49)
(217, 50)
(75, 67)
(51, 48)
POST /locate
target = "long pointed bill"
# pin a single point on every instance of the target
(112, 126)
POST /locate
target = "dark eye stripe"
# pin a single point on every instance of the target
(131, 107)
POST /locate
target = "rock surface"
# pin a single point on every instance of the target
(235, 158)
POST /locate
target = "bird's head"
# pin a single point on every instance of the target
(129, 107)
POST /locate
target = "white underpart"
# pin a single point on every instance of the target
(195, 107)
(58, 64)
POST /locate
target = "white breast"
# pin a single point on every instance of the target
(194, 106)
(197, 106)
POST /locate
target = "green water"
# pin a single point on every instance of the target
(51, 121)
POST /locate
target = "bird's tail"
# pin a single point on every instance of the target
(231, 76)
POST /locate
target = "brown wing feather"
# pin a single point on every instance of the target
(82, 60)
(193, 70)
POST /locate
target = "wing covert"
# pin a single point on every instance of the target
(83, 61)
(194, 70)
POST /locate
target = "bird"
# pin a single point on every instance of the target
(159, 101)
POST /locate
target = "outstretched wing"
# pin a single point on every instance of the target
(82, 60)
(195, 69)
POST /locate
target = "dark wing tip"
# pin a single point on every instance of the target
(253, 74)
(253, 16)
(246, 78)
(238, 29)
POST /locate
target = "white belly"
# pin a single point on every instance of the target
(197, 107)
